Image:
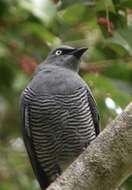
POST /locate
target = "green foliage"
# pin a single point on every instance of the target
(28, 30)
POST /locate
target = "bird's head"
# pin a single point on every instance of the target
(66, 56)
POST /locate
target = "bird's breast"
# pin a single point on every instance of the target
(61, 126)
(60, 81)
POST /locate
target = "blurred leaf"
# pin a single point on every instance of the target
(43, 9)
(119, 70)
(121, 42)
(3, 7)
(7, 185)
(41, 32)
(103, 87)
(83, 14)
(126, 3)
(6, 75)
(102, 5)
(67, 3)
(120, 47)
(72, 18)
(3, 50)
(128, 184)
(126, 33)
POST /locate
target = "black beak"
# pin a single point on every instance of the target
(78, 52)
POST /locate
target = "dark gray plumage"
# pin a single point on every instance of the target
(59, 114)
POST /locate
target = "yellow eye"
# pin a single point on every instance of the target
(58, 52)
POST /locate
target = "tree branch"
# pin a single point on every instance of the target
(106, 163)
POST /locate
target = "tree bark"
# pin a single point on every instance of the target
(106, 163)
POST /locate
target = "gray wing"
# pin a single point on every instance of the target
(27, 137)
(94, 111)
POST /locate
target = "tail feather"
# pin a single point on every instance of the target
(42, 178)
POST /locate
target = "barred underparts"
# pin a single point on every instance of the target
(61, 126)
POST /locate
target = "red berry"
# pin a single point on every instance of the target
(102, 21)
(28, 64)
(55, 1)
(14, 44)
(107, 24)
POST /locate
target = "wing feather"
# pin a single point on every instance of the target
(94, 111)
(27, 137)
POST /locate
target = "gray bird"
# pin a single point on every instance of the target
(59, 114)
